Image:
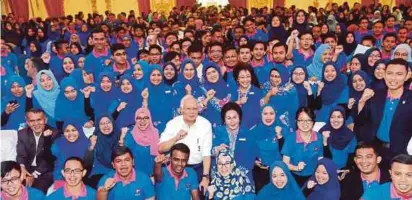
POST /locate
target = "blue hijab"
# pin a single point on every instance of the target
(74, 63)
(262, 130)
(47, 99)
(70, 109)
(140, 83)
(378, 84)
(106, 143)
(174, 79)
(331, 189)
(221, 87)
(77, 75)
(332, 90)
(102, 99)
(302, 92)
(76, 148)
(316, 68)
(194, 82)
(364, 62)
(339, 138)
(277, 32)
(290, 191)
(133, 100)
(18, 116)
(358, 94)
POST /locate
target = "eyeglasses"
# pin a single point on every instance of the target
(105, 123)
(142, 118)
(306, 121)
(13, 180)
(226, 164)
(299, 74)
(120, 54)
(75, 171)
(375, 56)
(399, 54)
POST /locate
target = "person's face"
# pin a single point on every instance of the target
(106, 84)
(185, 46)
(190, 110)
(268, 116)
(402, 35)
(324, 29)
(230, 58)
(189, 71)
(300, 18)
(321, 175)
(306, 41)
(73, 173)
(395, 76)
(279, 178)
(390, 22)
(401, 53)
(123, 164)
(16, 89)
(305, 123)
(338, 30)
(30, 32)
(326, 56)
(74, 38)
(68, 65)
(275, 22)
(245, 55)
(366, 160)
(178, 162)
(330, 73)
(355, 65)
(316, 31)
(74, 50)
(87, 78)
(105, 125)
(250, 26)
(212, 75)
(36, 121)
(238, 32)
(206, 39)
(70, 133)
(99, 41)
(142, 121)
(377, 29)
(401, 175)
(224, 165)
(11, 183)
(196, 57)
(242, 41)
(350, 39)
(175, 48)
(216, 53)
(169, 72)
(64, 49)
(379, 72)
(126, 86)
(364, 24)
(46, 82)
(331, 42)
(298, 75)
(373, 57)
(258, 51)
(279, 54)
(144, 56)
(275, 78)
(358, 83)
(126, 42)
(155, 55)
(170, 39)
(33, 47)
(336, 119)
(245, 78)
(218, 37)
(156, 77)
(120, 57)
(139, 32)
(232, 119)
(70, 93)
(389, 43)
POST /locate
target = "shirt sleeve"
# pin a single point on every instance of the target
(101, 181)
(168, 133)
(207, 142)
(193, 181)
(148, 187)
(286, 150)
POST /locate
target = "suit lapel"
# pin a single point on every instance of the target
(400, 107)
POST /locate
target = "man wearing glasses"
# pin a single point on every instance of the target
(11, 184)
(73, 188)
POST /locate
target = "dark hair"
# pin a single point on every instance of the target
(97, 30)
(186, 39)
(280, 44)
(245, 46)
(194, 48)
(244, 66)
(228, 48)
(116, 47)
(230, 106)
(8, 166)
(59, 43)
(378, 22)
(305, 33)
(171, 33)
(370, 38)
(363, 145)
(398, 61)
(241, 27)
(180, 147)
(306, 110)
(328, 35)
(35, 110)
(169, 56)
(75, 159)
(402, 159)
(248, 18)
(120, 151)
(259, 42)
(390, 35)
(141, 51)
(155, 46)
(212, 44)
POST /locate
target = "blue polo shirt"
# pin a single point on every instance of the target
(385, 125)
(96, 64)
(259, 36)
(299, 151)
(56, 66)
(268, 150)
(144, 160)
(300, 60)
(90, 194)
(141, 188)
(170, 189)
(383, 191)
(340, 157)
(34, 194)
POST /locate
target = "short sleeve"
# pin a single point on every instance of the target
(168, 133)
(371, 194)
(286, 147)
(102, 181)
(148, 186)
(193, 179)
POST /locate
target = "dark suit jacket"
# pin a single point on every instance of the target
(26, 150)
(352, 186)
(401, 127)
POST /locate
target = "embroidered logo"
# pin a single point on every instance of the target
(137, 192)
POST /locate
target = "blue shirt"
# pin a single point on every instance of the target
(308, 153)
(34, 194)
(95, 64)
(168, 190)
(259, 36)
(379, 192)
(385, 125)
(56, 66)
(268, 149)
(142, 188)
(300, 60)
(59, 195)
(144, 160)
(367, 186)
(340, 157)
(323, 114)
(251, 108)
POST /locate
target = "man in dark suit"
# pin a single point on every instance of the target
(366, 175)
(389, 112)
(34, 150)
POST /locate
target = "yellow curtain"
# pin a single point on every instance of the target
(37, 9)
(5, 9)
(72, 7)
(118, 6)
(391, 3)
(259, 4)
(318, 3)
(162, 6)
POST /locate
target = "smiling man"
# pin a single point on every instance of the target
(401, 185)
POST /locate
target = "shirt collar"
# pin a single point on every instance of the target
(24, 195)
(97, 55)
(116, 69)
(376, 178)
(251, 34)
(177, 179)
(299, 139)
(67, 194)
(395, 195)
(4, 54)
(256, 64)
(117, 178)
(388, 96)
(304, 56)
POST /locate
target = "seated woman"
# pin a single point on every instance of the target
(338, 140)
(13, 109)
(105, 94)
(98, 156)
(302, 149)
(229, 181)
(215, 94)
(324, 183)
(143, 141)
(73, 143)
(233, 138)
(282, 186)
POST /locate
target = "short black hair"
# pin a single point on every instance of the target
(230, 106)
(120, 151)
(171, 33)
(212, 44)
(186, 39)
(141, 51)
(215, 30)
(403, 159)
(306, 110)
(117, 47)
(280, 44)
(155, 46)
(390, 35)
(245, 46)
(75, 159)
(378, 22)
(328, 35)
(304, 33)
(97, 30)
(259, 42)
(180, 147)
(248, 18)
(195, 48)
(228, 48)
(240, 27)
(364, 145)
(398, 61)
(169, 56)
(370, 38)
(59, 43)
(35, 110)
(8, 166)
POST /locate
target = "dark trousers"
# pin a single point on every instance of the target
(199, 172)
(261, 178)
(43, 182)
(93, 181)
(300, 180)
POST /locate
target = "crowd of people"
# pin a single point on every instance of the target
(209, 103)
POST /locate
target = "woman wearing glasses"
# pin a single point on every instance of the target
(302, 149)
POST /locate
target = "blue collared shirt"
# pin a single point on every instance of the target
(385, 125)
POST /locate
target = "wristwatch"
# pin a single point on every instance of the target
(205, 176)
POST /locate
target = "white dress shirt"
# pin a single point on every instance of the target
(198, 139)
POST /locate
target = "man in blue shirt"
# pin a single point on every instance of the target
(392, 124)
(99, 58)
(73, 187)
(252, 32)
(175, 180)
(56, 62)
(125, 182)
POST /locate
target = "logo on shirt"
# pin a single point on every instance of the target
(137, 192)
(188, 186)
(316, 149)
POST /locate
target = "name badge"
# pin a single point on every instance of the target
(167, 91)
(242, 139)
(251, 92)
